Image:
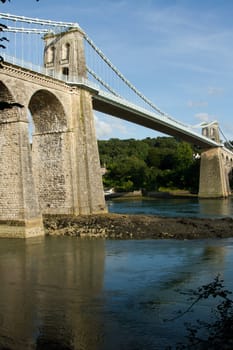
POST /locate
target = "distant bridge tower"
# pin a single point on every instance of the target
(211, 130)
(216, 164)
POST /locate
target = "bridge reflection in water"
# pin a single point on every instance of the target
(46, 294)
(68, 293)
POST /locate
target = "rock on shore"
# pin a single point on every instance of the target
(117, 226)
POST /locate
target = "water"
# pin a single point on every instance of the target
(184, 207)
(71, 293)
(79, 294)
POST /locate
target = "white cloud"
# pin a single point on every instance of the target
(213, 91)
(121, 128)
(108, 127)
(103, 129)
(204, 117)
(193, 104)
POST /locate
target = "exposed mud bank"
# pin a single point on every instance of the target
(117, 226)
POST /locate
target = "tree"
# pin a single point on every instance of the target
(127, 175)
(217, 334)
(150, 163)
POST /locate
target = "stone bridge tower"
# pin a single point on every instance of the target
(73, 139)
(64, 54)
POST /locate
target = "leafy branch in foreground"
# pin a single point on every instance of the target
(7, 105)
(210, 335)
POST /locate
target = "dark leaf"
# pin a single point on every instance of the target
(4, 38)
(8, 105)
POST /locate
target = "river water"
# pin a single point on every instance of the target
(91, 294)
(185, 207)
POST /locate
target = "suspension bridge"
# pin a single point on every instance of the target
(60, 78)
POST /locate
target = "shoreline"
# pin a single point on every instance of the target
(150, 194)
(123, 226)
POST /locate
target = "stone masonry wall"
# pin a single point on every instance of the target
(214, 181)
(65, 153)
(91, 155)
(10, 182)
(52, 172)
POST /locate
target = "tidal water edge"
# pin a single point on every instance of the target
(96, 294)
(174, 207)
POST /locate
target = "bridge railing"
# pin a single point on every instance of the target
(87, 84)
(75, 80)
(153, 114)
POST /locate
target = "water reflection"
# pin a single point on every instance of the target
(46, 292)
(216, 207)
(71, 294)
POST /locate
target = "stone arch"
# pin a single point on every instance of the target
(51, 153)
(48, 112)
(5, 94)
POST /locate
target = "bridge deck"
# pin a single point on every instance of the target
(109, 104)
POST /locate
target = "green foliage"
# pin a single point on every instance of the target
(149, 164)
(127, 174)
(217, 334)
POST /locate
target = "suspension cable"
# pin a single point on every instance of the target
(97, 78)
(227, 141)
(91, 43)
(14, 18)
(121, 76)
(26, 30)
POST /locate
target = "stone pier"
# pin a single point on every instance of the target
(214, 179)
(20, 215)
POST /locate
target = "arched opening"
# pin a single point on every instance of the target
(65, 72)
(51, 166)
(47, 112)
(230, 174)
(65, 52)
(31, 127)
(6, 97)
(51, 54)
(5, 94)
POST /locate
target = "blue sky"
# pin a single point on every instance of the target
(178, 53)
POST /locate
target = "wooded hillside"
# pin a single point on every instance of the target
(149, 164)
